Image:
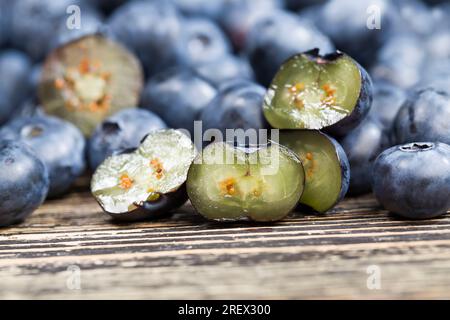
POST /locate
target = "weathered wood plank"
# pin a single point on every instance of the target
(187, 257)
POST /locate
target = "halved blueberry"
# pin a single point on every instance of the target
(413, 180)
(87, 80)
(327, 170)
(311, 91)
(148, 182)
(228, 183)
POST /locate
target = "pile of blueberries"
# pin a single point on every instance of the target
(73, 95)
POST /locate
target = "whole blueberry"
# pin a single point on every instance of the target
(122, 131)
(107, 6)
(276, 38)
(358, 28)
(24, 182)
(400, 61)
(424, 117)
(387, 101)
(413, 180)
(227, 68)
(200, 41)
(91, 23)
(150, 29)
(236, 106)
(362, 146)
(202, 8)
(239, 16)
(5, 22)
(177, 96)
(15, 68)
(59, 144)
(34, 23)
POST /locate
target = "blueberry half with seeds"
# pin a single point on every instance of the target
(88, 79)
(148, 182)
(327, 169)
(227, 183)
(311, 91)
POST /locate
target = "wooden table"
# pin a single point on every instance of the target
(68, 249)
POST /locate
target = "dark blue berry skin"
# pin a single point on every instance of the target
(150, 29)
(91, 23)
(238, 17)
(345, 23)
(413, 180)
(387, 101)
(424, 117)
(229, 67)
(120, 132)
(33, 23)
(201, 8)
(58, 143)
(200, 41)
(15, 68)
(178, 96)
(5, 22)
(107, 6)
(276, 38)
(345, 169)
(236, 106)
(362, 146)
(24, 182)
(301, 4)
(400, 61)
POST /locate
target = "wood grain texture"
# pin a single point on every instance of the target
(186, 257)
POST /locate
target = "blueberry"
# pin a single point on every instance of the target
(229, 67)
(227, 183)
(34, 23)
(107, 6)
(387, 101)
(239, 16)
(277, 37)
(424, 117)
(200, 41)
(14, 86)
(150, 29)
(24, 182)
(203, 8)
(413, 180)
(414, 17)
(177, 96)
(5, 22)
(400, 61)
(327, 171)
(89, 79)
(362, 146)
(58, 143)
(91, 23)
(311, 91)
(122, 131)
(302, 4)
(147, 183)
(346, 23)
(236, 106)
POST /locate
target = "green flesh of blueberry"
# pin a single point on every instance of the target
(126, 182)
(323, 170)
(312, 92)
(228, 183)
